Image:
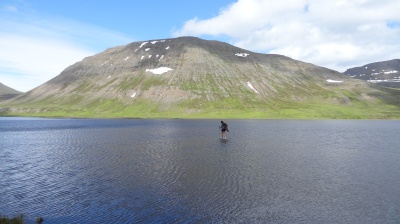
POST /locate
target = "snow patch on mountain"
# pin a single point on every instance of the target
(333, 81)
(159, 71)
(251, 87)
(242, 55)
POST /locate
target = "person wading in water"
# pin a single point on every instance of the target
(224, 129)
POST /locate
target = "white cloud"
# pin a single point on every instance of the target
(28, 62)
(337, 34)
(35, 49)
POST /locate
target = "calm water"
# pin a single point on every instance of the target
(178, 171)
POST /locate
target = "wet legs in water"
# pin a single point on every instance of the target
(223, 134)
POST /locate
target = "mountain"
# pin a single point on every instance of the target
(7, 92)
(385, 73)
(188, 77)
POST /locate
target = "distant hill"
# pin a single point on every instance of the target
(188, 77)
(7, 92)
(385, 73)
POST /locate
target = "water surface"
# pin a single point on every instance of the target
(179, 171)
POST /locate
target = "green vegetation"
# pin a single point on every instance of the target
(213, 102)
(230, 107)
(130, 83)
(142, 81)
(16, 220)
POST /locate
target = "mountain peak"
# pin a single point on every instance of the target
(189, 76)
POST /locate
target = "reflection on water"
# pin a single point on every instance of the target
(140, 171)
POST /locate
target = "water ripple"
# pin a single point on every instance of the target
(178, 171)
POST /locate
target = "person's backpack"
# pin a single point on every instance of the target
(224, 126)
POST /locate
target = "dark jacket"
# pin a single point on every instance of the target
(224, 126)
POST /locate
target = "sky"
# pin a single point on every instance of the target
(40, 38)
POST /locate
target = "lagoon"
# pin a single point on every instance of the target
(179, 171)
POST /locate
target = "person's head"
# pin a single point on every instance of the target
(222, 122)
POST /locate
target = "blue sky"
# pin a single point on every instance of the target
(40, 38)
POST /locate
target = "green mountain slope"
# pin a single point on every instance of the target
(189, 77)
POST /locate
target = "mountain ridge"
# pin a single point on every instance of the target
(384, 73)
(7, 92)
(191, 77)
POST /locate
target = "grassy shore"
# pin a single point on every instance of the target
(17, 220)
(239, 108)
(304, 112)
